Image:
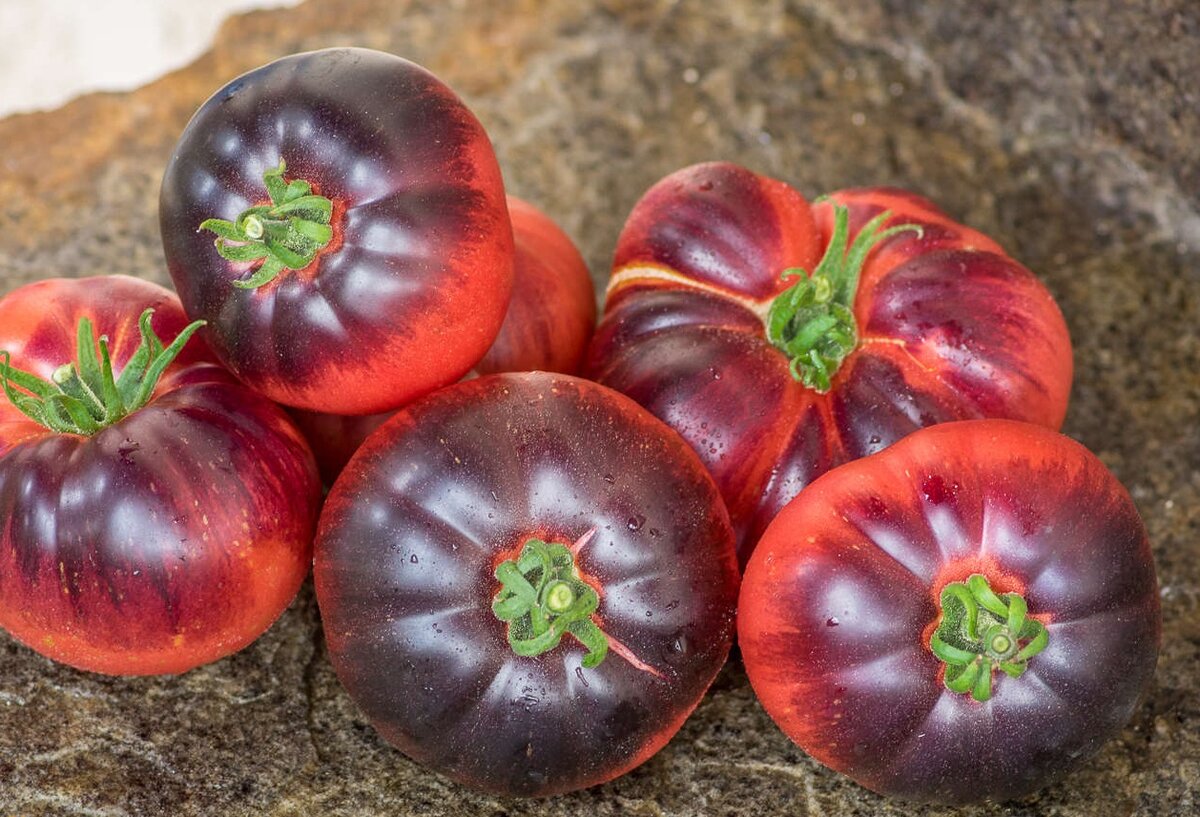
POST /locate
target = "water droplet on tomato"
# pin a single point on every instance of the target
(673, 604)
(655, 532)
(413, 558)
(610, 479)
(716, 373)
(705, 186)
(832, 621)
(635, 522)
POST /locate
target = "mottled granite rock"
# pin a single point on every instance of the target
(1066, 131)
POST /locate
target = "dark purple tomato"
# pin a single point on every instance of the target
(547, 328)
(527, 582)
(157, 515)
(782, 340)
(965, 616)
(363, 253)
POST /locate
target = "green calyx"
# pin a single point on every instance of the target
(84, 397)
(812, 322)
(979, 632)
(542, 598)
(286, 234)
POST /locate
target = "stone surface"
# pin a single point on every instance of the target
(1065, 130)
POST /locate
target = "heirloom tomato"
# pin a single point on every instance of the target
(156, 514)
(964, 616)
(363, 252)
(553, 308)
(547, 328)
(781, 340)
(527, 582)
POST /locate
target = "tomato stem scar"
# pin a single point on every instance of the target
(812, 322)
(83, 397)
(979, 632)
(285, 234)
(542, 598)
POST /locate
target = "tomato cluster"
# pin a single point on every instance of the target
(528, 580)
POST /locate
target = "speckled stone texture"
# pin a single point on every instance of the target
(1067, 131)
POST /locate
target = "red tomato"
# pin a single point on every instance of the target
(527, 582)
(553, 308)
(549, 323)
(169, 535)
(774, 380)
(964, 616)
(363, 250)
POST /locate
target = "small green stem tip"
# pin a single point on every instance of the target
(812, 322)
(542, 598)
(980, 632)
(84, 397)
(285, 234)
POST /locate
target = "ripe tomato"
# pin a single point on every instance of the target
(527, 582)
(553, 308)
(774, 380)
(549, 323)
(153, 531)
(363, 250)
(964, 616)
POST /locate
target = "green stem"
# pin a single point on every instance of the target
(543, 598)
(84, 397)
(979, 632)
(812, 322)
(288, 233)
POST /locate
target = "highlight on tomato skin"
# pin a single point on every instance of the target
(167, 539)
(967, 615)
(780, 346)
(547, 327)
(338, 218)
(505, 501)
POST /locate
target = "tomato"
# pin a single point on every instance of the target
(964, 616)
(163, 523)
(363, 251)
(553, 308)
(334, 438)
(549, 323)
(887, 317)
(527, 582)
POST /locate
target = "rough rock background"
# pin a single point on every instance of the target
(1066, 130)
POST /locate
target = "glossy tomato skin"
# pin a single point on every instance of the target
(547, 328)
(167, 540)
(842, 595)
(413, 287)
(553, 308)
(949, 328)
(452, 485)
